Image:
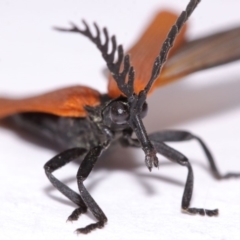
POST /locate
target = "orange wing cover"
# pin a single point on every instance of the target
(67, 102)
(144, 52)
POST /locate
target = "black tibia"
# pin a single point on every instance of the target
(179, 158)
(83, 172)
(177, 136)
(57, 162)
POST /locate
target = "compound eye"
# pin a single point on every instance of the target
(144, 110)
(119, 113)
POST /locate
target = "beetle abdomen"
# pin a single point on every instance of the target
(67, 132)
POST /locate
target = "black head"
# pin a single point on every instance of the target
(129, 109)
(120, 111)
(116, 114)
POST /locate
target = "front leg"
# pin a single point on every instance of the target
(175, 156)
(179, 158)
(84, 200)
(83, 172)
(57, 162)
(178, 136)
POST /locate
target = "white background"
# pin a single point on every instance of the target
(138, 204)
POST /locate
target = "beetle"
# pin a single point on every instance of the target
(87, 122)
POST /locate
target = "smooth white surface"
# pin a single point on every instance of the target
(138, 204)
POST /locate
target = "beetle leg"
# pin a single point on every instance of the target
(127, 141)
(57, 162)
(179, 158)
(83, 172)
(177, 136)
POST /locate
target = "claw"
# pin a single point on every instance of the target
(151, 160)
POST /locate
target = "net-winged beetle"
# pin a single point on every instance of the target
(88, 122)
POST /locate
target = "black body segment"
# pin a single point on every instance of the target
(66, 132)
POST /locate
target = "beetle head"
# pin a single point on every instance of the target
(123, 113)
